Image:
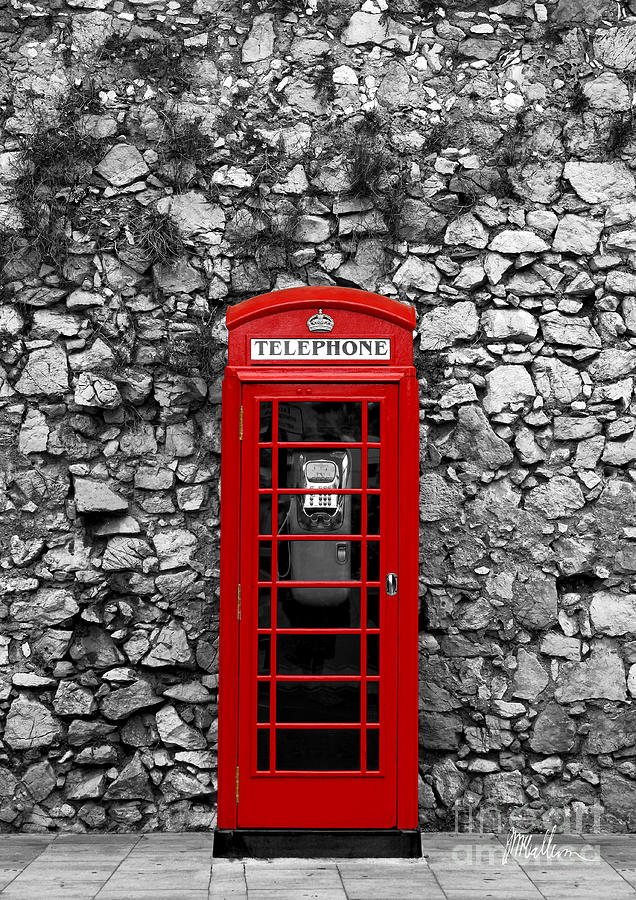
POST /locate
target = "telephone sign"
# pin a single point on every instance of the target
(326, 349)
(319, 526)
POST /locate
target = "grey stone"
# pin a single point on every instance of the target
(444, 326)
(417, 273)
(178, 278)
(480, 48)
(555, 644)
(95, 496)
(72, 699)
(49, 606)
(178, 784)
(466, 229)
(619, 798)
(553, 731)
(571, 428)
(518, 242)
(39, 780)
(620, 453)
(600, 182)
(174, 548)
(46, 372)
(534, 602)
(88, 785)
(509, 324)
(259, 44)
(506, 386)
(600, 677)
(174, 732)
(125, 701)
(621, 282)
(29, 725)
(192, 213)
(170, 648)
(556, 381)
(530, 678)
(569, 330)
(121, 165)
(609, 733)
(94, 647)
(607, 91)
(504, 788)
(474, 439)
(559, 497)
(368, 28)
(448, 781)
(438, 498)
(93, 390)
(132, 783)
(125, 553)
(613, 613)
(612, 364)
(616, 47)
(577, 234)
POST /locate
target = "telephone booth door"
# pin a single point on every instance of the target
(319, 567)
(318, 642)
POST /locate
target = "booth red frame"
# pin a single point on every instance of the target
(356, 314)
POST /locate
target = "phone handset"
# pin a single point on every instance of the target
(320, 513)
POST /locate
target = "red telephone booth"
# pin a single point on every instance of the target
(319, 564)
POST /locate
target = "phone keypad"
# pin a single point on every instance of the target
(316, 501)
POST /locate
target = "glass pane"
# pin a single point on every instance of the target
(265, 515)
(373, 514)
(317, 701)
(262, 749)
(312, 420)
(373, 750)
(319, 513)
(373, 560)
(262, 714)
(265, 424)
(318, 654)
(373, 607)
(318, 468)
(373, 701)
(265, 468)
(373, 423)
(373, 654)
(265, 561)
(373, 468)
(328, 611)
(263, 655)
(318, 749)
(319, 561)
(264, 607)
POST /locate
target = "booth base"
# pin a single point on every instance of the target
(262, 843)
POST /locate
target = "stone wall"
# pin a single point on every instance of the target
(162, 160)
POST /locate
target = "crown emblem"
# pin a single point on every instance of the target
(320, 322)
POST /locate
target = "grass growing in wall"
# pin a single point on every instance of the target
(198, 352)
(52, 184)
(367, 163)
(160, 61)
(158, 237)
(324, 88)
(621, 132)
(184, 145)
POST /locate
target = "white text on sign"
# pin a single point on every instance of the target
(328, 349)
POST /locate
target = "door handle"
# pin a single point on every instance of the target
(391, 584)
